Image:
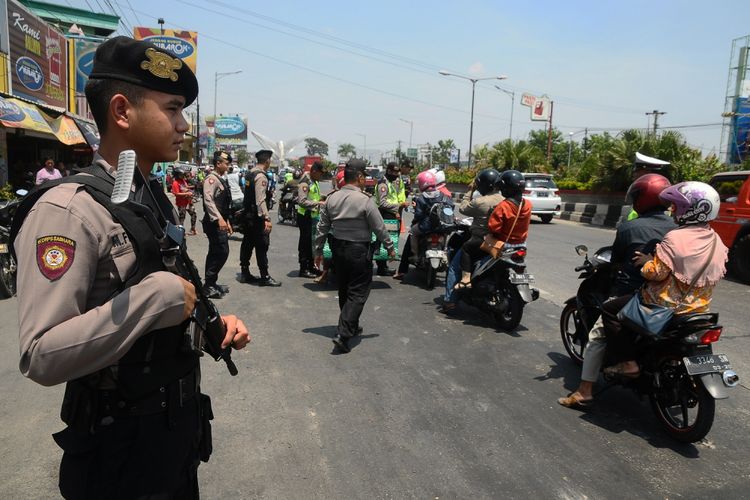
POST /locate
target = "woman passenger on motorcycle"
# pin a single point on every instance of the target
(693, 251)
(508, 222)
(632, 236)
(421, 224)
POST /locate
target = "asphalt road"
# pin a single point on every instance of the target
(423, 407)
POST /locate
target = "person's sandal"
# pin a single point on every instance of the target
(571, 401)
(398, 276)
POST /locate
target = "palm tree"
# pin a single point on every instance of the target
(347, 150)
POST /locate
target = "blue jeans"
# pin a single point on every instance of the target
(454, 274)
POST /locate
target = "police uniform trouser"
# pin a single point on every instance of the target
(149, 456)
(218, 251)
(256, 238)
(353, 264)
(304, 245)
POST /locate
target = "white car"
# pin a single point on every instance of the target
(544, 196)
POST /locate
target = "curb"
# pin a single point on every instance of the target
(595, 214)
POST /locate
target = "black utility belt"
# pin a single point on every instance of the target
(171, 396)
(345, 243)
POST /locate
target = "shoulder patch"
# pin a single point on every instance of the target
(211, 180)
(305, 188)
(54, 255)
(383, 188)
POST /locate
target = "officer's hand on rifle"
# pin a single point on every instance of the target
(223, 225)
(237, 335)
(190, 297)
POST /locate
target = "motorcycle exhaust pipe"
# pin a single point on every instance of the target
(730, 378)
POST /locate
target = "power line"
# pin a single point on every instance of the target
(136, 15)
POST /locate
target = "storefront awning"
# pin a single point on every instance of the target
(17, 113)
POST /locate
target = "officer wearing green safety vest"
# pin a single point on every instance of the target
(309, 202)
(390, 201)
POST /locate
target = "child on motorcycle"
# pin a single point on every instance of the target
(421, 224)
(509, 223)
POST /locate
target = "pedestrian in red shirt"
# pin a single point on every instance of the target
(183, 196)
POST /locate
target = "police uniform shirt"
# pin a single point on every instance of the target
(303, 190)
(350, 215)
(260, 183)
(73, 254)
(382, 192)
(213, 189)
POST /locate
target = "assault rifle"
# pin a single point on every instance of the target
(207, 330)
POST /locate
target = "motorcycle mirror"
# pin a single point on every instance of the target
(582, 250)
(21, 193)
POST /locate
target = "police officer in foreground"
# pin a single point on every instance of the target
(217, 201)
(351, 217)
(390, 201)
(309, 201)
(257, 222)
(113, 324)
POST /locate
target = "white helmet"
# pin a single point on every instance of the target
(439, 175)
(694, 202)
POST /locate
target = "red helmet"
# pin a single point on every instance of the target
(643, 193)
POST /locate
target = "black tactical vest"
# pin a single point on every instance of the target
(158, 357)
(223, 200)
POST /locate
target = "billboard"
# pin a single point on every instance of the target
(230, 130)
(540, 107)
(181, 44)
(38, 58)
(84, 61)
(740, 142)
(20, 114)
(3, 32)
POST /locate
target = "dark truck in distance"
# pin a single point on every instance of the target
(733, 222)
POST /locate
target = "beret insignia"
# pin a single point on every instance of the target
(161, 65)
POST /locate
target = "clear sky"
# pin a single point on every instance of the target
(335, 69)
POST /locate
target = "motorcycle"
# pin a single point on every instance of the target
(680, 374)
(500, 287)
(433, 254)
(288, 206)
(7, 261)
(237, 217)
(581, 312)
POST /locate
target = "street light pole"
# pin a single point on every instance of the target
(217, 77)
(512, 95)
(411, 129)
(570, 147)
(364, 151)
(473, 87)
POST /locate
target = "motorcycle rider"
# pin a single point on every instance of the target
(632, 236)
(680, 274)
(509, 223)
(421, 224)
(479, 208)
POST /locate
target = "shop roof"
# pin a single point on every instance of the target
(97, 23)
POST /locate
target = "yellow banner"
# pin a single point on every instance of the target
(182, 44)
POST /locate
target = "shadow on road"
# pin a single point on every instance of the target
(471, 316)
(616, 409)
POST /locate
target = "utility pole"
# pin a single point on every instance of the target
(549, 132)
(198, 134)
(656, 113)
(585, 142)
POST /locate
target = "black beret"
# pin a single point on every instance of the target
(222, 155)
(356, 165)
(263, 153)
(144, 64)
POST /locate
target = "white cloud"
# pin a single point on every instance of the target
(476, 69)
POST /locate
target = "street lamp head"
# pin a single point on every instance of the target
(502, 77)
(444, 72)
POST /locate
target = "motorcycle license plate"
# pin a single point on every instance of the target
(521, 279)
(434, 254)
(3, 248)
(706, 363)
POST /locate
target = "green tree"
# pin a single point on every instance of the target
(441, 154)
(242, 157)
(316, 147)
(346, 150)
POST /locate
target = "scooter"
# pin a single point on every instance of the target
(500, 287)
(679, 372)
(433, 253)
(288, 207)
(8, 267)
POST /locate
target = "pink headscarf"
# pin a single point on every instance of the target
(686, 250)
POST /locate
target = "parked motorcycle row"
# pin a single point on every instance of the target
(7, 261)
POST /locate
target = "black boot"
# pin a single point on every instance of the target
(246, 277)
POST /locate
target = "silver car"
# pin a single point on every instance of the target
(544, 196)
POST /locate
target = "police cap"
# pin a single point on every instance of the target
(222, 155)
(355, 165)
(144, 64)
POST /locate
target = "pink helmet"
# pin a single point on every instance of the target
(694, 202)
(426, 181)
